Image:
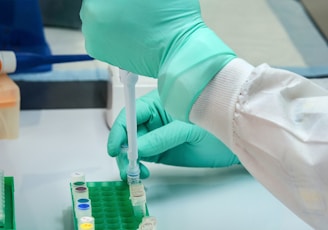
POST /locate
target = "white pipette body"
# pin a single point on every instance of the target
(129, 81)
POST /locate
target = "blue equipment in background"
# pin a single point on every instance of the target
(21, 29)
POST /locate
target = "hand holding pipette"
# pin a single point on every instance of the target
(263, 114)
(164, 140)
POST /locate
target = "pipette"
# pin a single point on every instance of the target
(11, 62)
(129, 81)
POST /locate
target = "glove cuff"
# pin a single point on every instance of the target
(214, 113)
(189, 69)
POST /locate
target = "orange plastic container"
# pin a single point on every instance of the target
(9, 107)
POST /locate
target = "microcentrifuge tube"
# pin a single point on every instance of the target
(86, 226)
(77, 176)
(87, 219)
(148, 223)
(82, 201)
(83, 210)
(80, 192)
(138, 199)
(78, 184)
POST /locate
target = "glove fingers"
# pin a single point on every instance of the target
(117, 136)
(123, 162)
(148, 115)
(165, 138)
(150, 112)
(144, 171)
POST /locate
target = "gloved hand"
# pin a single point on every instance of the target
(164, 140)
(165, 39)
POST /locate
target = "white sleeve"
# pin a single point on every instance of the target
(276, 122)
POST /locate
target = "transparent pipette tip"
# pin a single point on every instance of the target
(133, 171)
(133, 177)
(124, 148)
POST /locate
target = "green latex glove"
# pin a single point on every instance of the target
(164, 39)
(164, 140)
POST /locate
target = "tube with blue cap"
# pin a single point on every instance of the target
(11, 62)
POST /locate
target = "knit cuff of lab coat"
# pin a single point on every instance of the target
(214, 109)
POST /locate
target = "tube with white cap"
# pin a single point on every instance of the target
(129, 81)
(8, 62)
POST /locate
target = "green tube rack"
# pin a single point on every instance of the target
(9, 210)
(111, 206)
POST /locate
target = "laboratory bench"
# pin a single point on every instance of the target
(54, 143)
(64, 129)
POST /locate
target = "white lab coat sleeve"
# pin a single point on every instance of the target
(276, 122)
